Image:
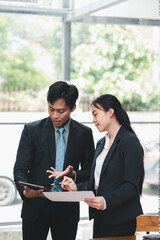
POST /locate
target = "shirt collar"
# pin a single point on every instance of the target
(106, 141)
(65, 126)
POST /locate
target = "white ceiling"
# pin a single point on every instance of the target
(141, 12)
(146, 9)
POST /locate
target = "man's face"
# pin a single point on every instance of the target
(59, 112)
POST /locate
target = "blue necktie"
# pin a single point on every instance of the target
(60, 154)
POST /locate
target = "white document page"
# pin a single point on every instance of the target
(69, 196)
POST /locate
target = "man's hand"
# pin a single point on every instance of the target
(69, 172)
(97, 202)
(30, 193)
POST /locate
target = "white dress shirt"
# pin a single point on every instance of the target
(99, 163)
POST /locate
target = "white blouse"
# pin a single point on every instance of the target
(100, 160)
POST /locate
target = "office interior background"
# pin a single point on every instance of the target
(101, 47)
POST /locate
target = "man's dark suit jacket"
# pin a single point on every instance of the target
(120, 178)
(36, 154)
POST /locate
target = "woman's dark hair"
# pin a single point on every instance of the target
(108, 101)
(62, 90)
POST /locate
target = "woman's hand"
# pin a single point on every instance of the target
(67, 172)
(97, 202)
(68, 184)
(30, 193)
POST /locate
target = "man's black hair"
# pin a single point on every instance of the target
(62, 90)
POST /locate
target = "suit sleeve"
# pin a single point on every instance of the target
(83, 174)
(23, 160)
(132, 154)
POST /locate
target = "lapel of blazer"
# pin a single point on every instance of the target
(51, 141)
(112, 149)
(100, 146)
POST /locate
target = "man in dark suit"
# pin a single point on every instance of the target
(37, 153)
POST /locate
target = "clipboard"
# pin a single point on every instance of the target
(33, 186)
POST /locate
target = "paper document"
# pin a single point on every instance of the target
(69, 196)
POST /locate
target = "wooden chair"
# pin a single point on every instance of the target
(147, 223)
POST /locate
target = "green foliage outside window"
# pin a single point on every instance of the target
(118, 60)
(21, 47)
(105, 58)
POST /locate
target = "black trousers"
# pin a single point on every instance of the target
(101, 229)
(53, 217)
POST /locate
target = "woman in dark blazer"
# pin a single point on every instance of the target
(117, 172)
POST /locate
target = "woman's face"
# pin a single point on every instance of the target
(101, 118)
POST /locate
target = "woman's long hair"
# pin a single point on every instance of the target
(108, 101)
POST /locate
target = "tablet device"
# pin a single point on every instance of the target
(33, 186)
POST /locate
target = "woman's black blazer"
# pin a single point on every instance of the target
(120, 179)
